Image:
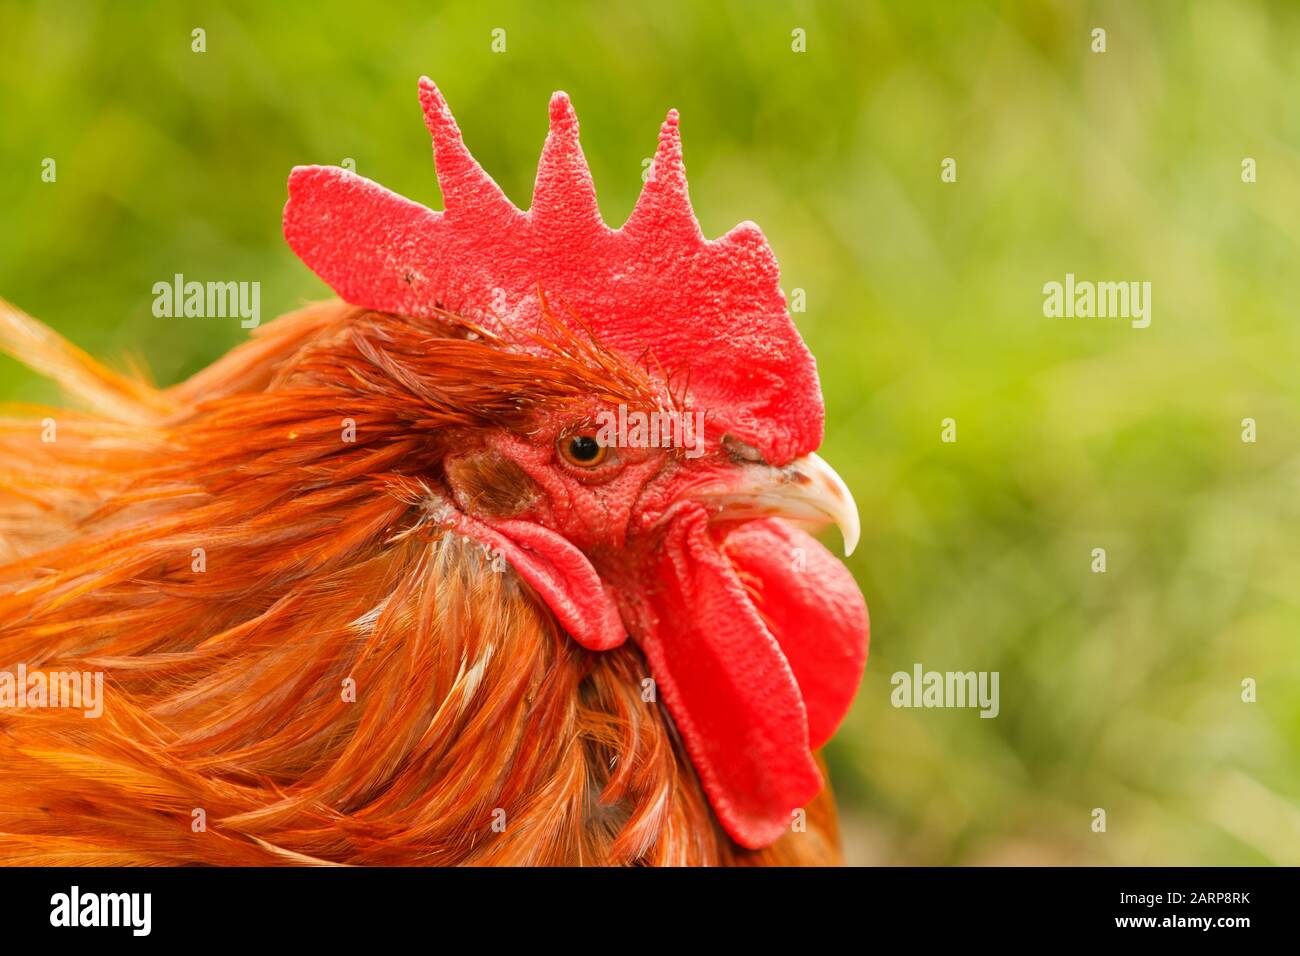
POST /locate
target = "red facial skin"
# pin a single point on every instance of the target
(755, 634)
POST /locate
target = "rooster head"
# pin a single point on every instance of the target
(664, 496)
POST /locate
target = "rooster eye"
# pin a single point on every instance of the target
(582, 450)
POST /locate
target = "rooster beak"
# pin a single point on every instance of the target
(807, 491)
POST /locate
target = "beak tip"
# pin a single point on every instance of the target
(852, 534)
(841, 509)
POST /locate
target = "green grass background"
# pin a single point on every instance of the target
(1119, 690)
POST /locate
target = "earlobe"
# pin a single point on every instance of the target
(560, 574)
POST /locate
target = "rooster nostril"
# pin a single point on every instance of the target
(741, 451)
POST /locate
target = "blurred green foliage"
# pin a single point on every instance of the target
(924, 301)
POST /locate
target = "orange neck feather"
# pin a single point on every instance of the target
(291, 649)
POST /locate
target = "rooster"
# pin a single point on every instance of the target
(374, 588)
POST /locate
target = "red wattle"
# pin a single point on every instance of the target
(729, 689)
(813, 607)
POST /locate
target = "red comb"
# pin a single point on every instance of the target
(710, 312)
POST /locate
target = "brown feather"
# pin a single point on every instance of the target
(480, 733)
